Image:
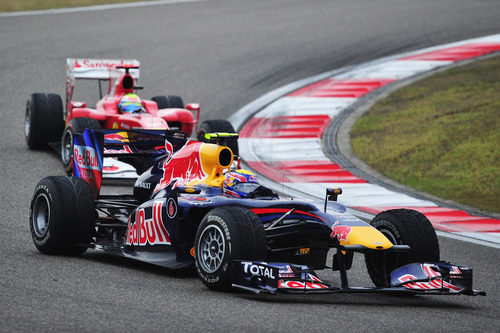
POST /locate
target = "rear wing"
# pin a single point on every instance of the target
(97, 69)
(92, 146)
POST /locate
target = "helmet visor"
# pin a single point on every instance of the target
(246, 187)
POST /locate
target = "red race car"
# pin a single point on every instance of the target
(47, 124)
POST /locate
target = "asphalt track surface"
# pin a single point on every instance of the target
(223, 54)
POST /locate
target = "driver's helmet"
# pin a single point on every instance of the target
(240, 183)
(130, 103)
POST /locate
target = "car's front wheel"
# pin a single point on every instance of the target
(402, 227)
(225, 234)
(62, 214)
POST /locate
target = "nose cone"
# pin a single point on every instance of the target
(366, 236)
(149, 122)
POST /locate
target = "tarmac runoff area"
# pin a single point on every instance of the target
(297, 139)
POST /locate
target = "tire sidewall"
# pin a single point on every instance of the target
(45, 242)
(220, 276)
(68, 132)
(43, 120)
(70, 221)
(389, 230)
(28, 119)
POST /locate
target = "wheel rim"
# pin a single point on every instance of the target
(41, 215)
(389, 235)
(391, 259)
(27, 120)
(212, 248)
(67, 147)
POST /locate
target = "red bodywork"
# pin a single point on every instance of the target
(122, 81)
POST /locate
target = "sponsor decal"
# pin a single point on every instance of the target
(182, 167)
(313, 283)
(117, 136)
(258, 270)
(285, 275)
(300, 285)
(286, 269)
(125, 149)
(143, 232)
(303, 251)
(434, 283)
(125, 137)
(144, 185)
(92, 64)
(341, 232)
(86, 157)
(171, 208)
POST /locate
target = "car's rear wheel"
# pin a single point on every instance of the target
(403, 227)
(76, 125)
(62, 214)
(168, 102)
(225, 234)
(43, 121)
(218, 125)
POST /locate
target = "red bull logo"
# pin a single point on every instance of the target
(341, 232)
(87, 166)
(117, 136)
(152, 231)
(182, 167)
(86, 157)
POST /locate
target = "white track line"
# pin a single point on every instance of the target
(96, 8)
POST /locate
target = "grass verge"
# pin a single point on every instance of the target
(23, 5)
(440, 135)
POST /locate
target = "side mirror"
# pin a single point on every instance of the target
(195, 107)
(332, 194)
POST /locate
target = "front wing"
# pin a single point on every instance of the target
(439, 278)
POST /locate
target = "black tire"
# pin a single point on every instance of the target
(62, 215)
(225, 234)
(43, 121)
(403, 227)
(218, 125)
(76, 125)
(168, 102)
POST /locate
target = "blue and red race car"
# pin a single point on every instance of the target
(48, 123)
(190, 209)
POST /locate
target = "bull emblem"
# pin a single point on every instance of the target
(340, 231)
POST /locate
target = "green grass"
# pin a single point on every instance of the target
(22, 5)
(440, 135)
